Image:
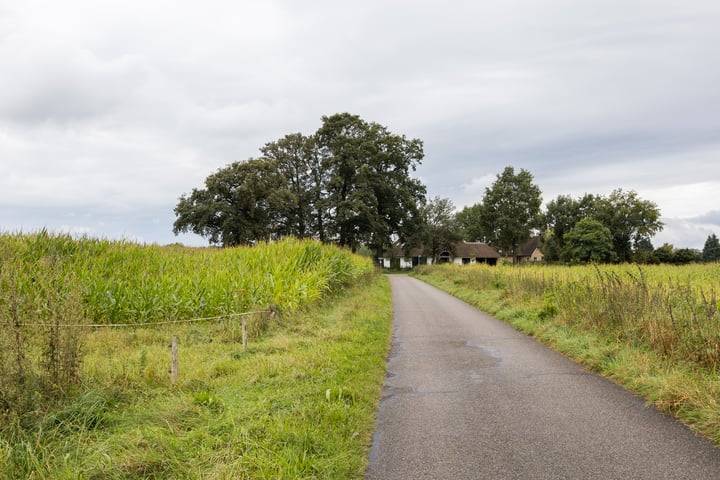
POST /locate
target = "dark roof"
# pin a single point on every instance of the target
(475, 250)
(400, 252)
(460, 250)
(529, 247)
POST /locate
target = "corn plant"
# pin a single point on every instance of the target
(52, 284)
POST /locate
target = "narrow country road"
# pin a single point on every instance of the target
(468, 397)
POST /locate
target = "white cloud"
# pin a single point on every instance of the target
(110, 108)
(684, 233)
(472, 193)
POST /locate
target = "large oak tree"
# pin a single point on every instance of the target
(241, 203)
(298, 164)
(371, 196)
(349, 183)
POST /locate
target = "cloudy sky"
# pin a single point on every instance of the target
(110, 110)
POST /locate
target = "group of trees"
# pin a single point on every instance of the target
(590, 228)
(508, 213)
(601, 229)
(349, 183)
(668, 253)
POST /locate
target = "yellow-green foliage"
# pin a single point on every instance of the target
(300, 402)
(674, 310)
(127, 282)
(50, 282)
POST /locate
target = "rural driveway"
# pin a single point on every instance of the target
(469, 397)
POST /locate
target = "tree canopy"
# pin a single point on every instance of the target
(711, 250)
(440, 229)
(468, 220)
(511, 209)
(589, 241)
(297, 163)
(371, 196)
(560, 216)
(350, 183)
(631, 221)
(241, 203)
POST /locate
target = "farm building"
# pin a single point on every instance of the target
(530, 251)
(460, 253)
(464, 253)
(399, 259)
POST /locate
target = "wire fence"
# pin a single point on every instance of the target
(57, 347)
(149, 324)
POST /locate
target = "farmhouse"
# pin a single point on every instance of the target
(530, 251)
(399, 259)
(460, 253)
(464, 253)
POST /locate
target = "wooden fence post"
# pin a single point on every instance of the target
(174, 370)
(244, 334)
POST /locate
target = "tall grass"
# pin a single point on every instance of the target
(299, 403)
(50, 282)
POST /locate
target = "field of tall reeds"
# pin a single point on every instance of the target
(617, 319)
(85, 326)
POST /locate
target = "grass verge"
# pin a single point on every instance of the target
(684, 389)
(300, 403)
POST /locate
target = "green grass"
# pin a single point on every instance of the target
(300, 403)
(610, 320)
(49, 284)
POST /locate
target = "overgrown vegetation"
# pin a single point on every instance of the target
(655, 329)
(51, 284)
(300, 403)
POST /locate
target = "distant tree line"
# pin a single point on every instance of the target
(590, 228)
(593, 228)
(621, 224)
(351, 183)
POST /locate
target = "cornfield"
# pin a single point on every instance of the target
(50, 284)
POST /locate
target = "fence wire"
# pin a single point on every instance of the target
(145, 325)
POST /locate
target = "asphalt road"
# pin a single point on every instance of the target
(469, 397)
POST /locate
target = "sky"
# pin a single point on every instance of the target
(111, 110)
